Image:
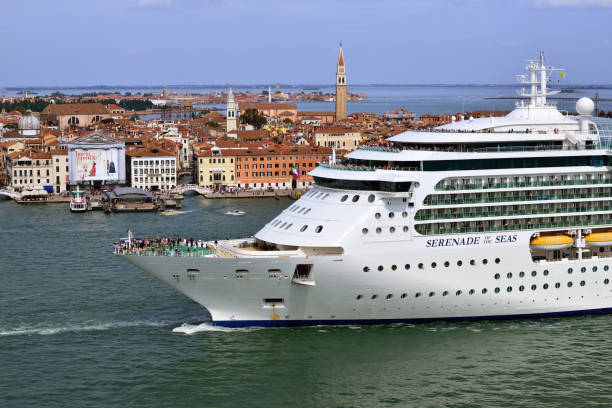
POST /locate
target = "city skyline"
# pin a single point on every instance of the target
(151, 42)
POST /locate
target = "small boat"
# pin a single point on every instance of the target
(551, 242)
(235, 212)
(170, 212)
(78, 203)
(598, 239)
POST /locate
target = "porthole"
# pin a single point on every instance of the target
(306, 226)
(392, 230)
(371, 198)
(374, 297)
(606, 281)
(405, 228)
(583, 269)
(420, 266)
(431, 294)
(594, 269)
(570, 284)
(606, 268)
(497, 260)
(496, 290)
(582, 283)
(545, 272)
(533, 287)
(496, 276)
(319, 229)
(364, 231)
(407, 266)
(445, 293)
(557, 285)
(459, 263)
(377, 216)
(545, 286)
(521, 274)
(484, 261)
(509, 289)
(404, 214)
(344, 197)
(433, 264)
(380, 268)
(389, 296)
(533, 273)
(366, 269)
(570, 270)
(447, 264)
(394, 267)
(509, 275)
(378, 230)
(391, 215)
(484, 291)
(472, 262)
(404, 295)
(418, 294)
(472, 291)
(355, 198)
(359, 297)
(458, 293)
(521, 288)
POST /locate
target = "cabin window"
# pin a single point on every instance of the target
(371, 198)
(319, 229)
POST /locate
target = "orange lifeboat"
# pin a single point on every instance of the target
(599, 239)
(551, 242)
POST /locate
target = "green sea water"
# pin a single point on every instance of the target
(79, 327)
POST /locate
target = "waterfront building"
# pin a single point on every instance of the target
(59, 170)
(215, 167)
(341, 87)
(30, 169)
(63, 116)
(339, 137)
(231, 114)
(152, 168)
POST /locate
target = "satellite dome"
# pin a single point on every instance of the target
(28, 122)
(585, 106)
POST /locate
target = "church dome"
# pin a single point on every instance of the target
(28, 122)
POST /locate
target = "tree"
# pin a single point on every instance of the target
(212, 124)
(127, 94)
(134, 117)
(254, 118)
(288, 121)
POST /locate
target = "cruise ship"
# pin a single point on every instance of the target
(488, 218)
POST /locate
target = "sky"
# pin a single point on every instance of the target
(152, 42)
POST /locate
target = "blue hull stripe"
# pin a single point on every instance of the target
(298, 323)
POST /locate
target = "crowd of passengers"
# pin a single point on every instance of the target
(173, 246)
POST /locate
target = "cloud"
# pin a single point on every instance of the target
(574, 3)
(154, 3)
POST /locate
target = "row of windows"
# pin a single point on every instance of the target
(25, 173)
(276, 158)
(286, 225)
(523, 195)
(513, 224)
(268, 174)
(154, 171)
(434, 265)
(514, 163)
(152, 162)
(217, 160)
(512, 210)
(392, 230)
(483, 291)
(25, 181)
(521, 274)
(474, 183)
(153, 179)
(276, 166)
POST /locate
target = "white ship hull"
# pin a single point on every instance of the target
(417, 295)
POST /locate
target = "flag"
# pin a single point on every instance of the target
(294, 172)
(561, 74)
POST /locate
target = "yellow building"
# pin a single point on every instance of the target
(340, 138)
(216, 168)
(30, 169)
(59, 171)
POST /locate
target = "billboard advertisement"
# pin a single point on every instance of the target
(96, 164)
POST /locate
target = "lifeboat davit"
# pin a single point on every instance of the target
(598, 239)
(551, 242)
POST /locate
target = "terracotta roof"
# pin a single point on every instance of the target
(76, 109)
(336, 130)
(58, 152)
(149, 151)
(30, 153)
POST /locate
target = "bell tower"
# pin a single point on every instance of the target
(231, 112)
(341, 87)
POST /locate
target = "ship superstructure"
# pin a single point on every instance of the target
(481, 218)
